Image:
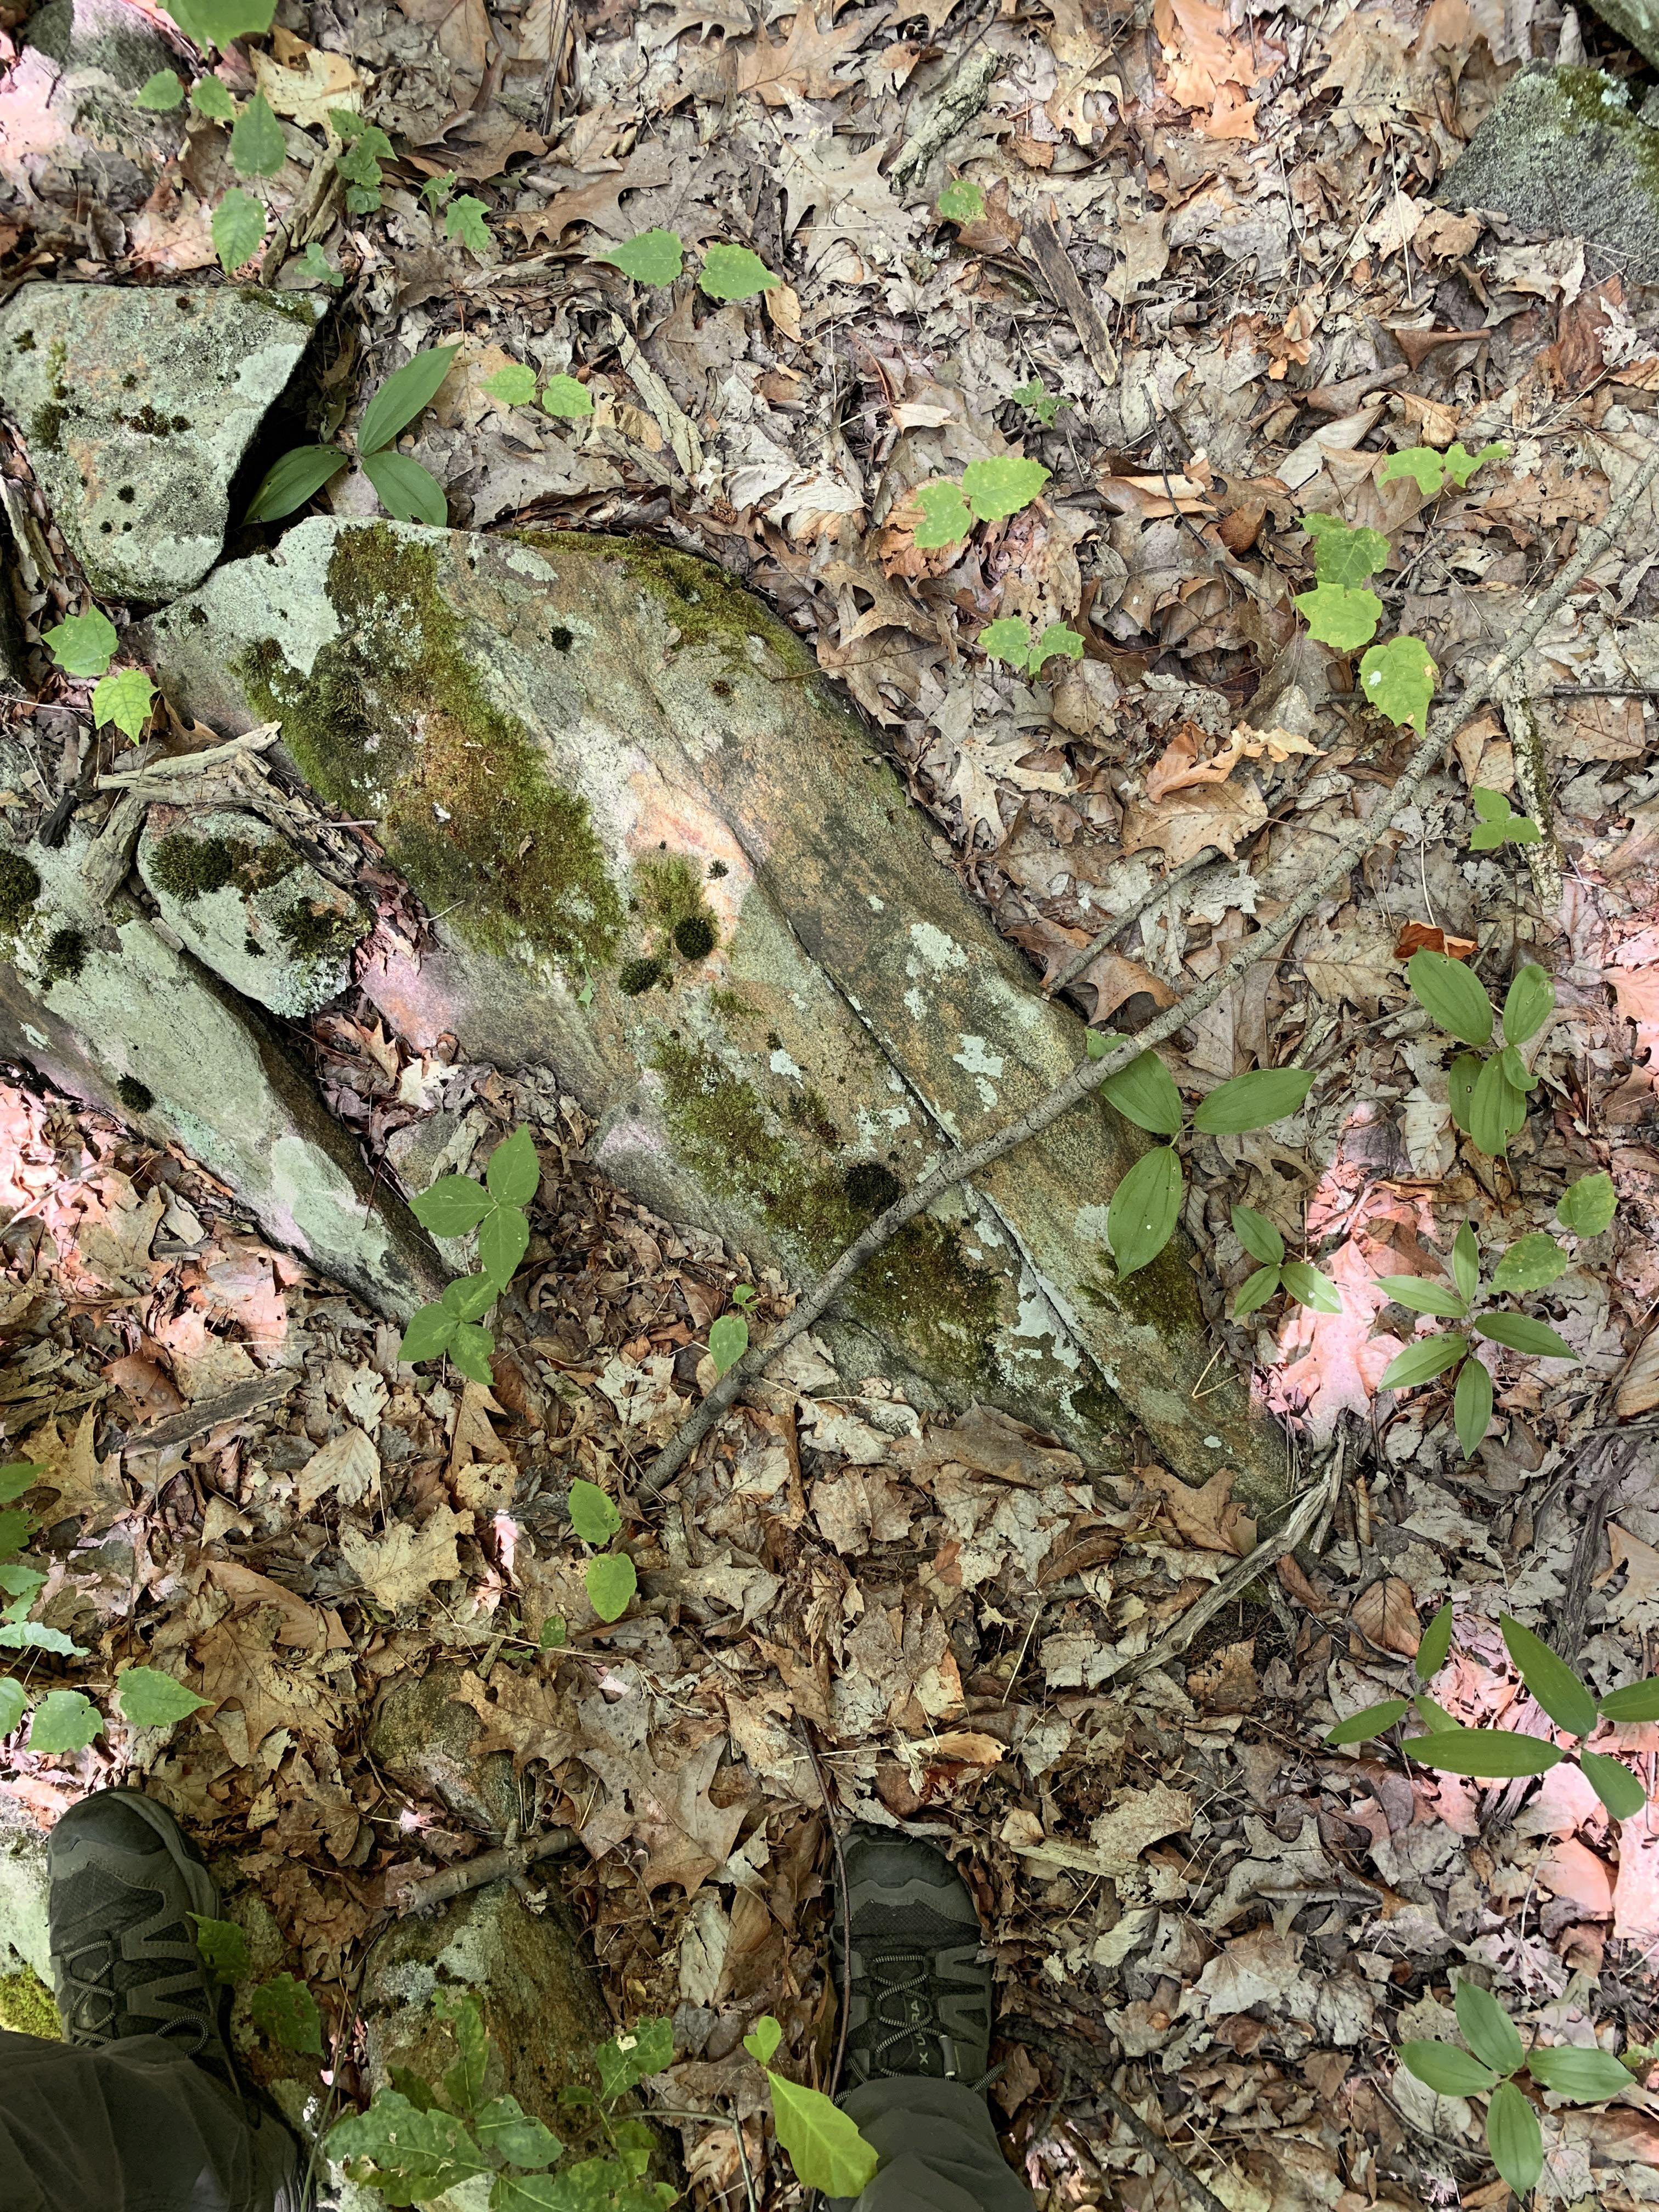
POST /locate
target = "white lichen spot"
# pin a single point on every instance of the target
(939, 951)
(35, 1037)
(916, 1003)
(876, 906)
(780, 1064)
(1213, 1443)
(977, 1056)
(1090, 1223)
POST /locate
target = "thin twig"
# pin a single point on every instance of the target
(1206, 856)
(844, 1995)
(475, 1872)
(962, 1167)
(1180, 2174)
(743, 2156)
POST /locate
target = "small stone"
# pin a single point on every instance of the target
(1562, 152)
(531, 1975)
(422, 1737)
(75, 138)
(136, 408)
(251, 907)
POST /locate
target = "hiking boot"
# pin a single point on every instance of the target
(124, 1957)
(919, 1996)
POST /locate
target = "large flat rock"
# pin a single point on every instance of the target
(672, 867)
(1562, 151)
(136, 408)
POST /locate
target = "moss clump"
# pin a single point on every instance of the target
(137, 1097)
(696, 938)
(20, 887)
(635, 977)
(66, 955)
(872, 1187)
(394, 723)
(318, 932)
(706, 606)
(27, 2006)
(187, 868)
(46, 425)
(922, 1289)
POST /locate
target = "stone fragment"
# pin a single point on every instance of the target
(665, 862)
(137, 407)
(1562, 151)
(1636, 22)
(422, 1737)
(251, 907)
(530, 1974)
(73, 135)
(96, 999)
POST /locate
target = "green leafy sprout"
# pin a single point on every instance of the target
(1491, 1754)
(454, 1207)
(419, 2139)
(990, 491)
(1146, 1204)
(610, 1577)
(1008, 639)
(1488, 1096)
(406, 490)
(1497, 824)
(1274, 1272)
(961, 201)
(657, 257)
(1490, 2068)
(1036, 399)
(823, 2143)
(1531, 1263)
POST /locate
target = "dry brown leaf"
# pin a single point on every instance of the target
(462, 27)
(348, 1465)
(1638, 1390)
(1210, 68)
(303, 82)
(400, 1567)
(88, 1489)
(525, 1714)
(1385, 1614)
(1420, 937)
(476, 1447)
(801, 66)
(1218, 814)
(1206, 1517)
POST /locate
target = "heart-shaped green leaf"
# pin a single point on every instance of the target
(732, 272)
(593, 1513)
(1254, 1100)
(1002, 486)
(1451, 996)
(450, 1207)
(1145, 1207)
(1530, 1262)
(824, 2146)
(1339, 616)
(1587, 1206)
(149, 1699)
(1145, 1092)
(946, 517)
(1422, 1361)
(612, 1583)
(728, 1339)
(650, 257)
(429, 1335)
(1398, 679)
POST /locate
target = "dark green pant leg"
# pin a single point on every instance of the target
(131, 2127)
(938, 2148)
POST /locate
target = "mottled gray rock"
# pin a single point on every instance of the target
(422, 1737)
(1636, 22)
(1562, 151)
(136, 408)
(530, 1973)
(74, 138)
(669, 865)
(105, 1007)
(251, 907)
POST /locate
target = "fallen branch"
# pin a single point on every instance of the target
(1088, 1077)
(1205, 857)
(478, 1873)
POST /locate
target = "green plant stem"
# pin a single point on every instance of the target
(1089, 1076)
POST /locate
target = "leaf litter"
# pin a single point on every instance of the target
(1185, 1892)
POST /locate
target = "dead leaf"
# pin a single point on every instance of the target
(476, 1447)
(1385, 1614)
(1209, 69)
(1418, 937)
(801, 66)
(400, 1567)
(348, 1465)
(303, 82)
(1207, 1518)
(525, 1714)
(1185, 822)
(88, 1489)
(462, 27)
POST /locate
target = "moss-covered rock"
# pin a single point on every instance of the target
(1563, 151)
(137, 407)
(668, 864)
(251, 907)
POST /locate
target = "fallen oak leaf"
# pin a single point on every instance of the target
(400, 1567)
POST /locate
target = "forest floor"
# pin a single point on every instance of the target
(1190, 1899)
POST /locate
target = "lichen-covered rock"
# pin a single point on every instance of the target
(670, 866)
(98, 1002)
(530, 1975)
(1563, 151)
(136, 408)
(251, 906)
(73, 135)
(422, 1737)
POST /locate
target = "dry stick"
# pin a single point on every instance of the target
(475, 1873)
(1205, 857)
(1088, 1077)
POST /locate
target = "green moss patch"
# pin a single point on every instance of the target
(20, 887)
(922, 1289)
(137, 1097)
(66, 955)
(317, 932)
(27, 2007)
(394, 723)
(187, 868)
